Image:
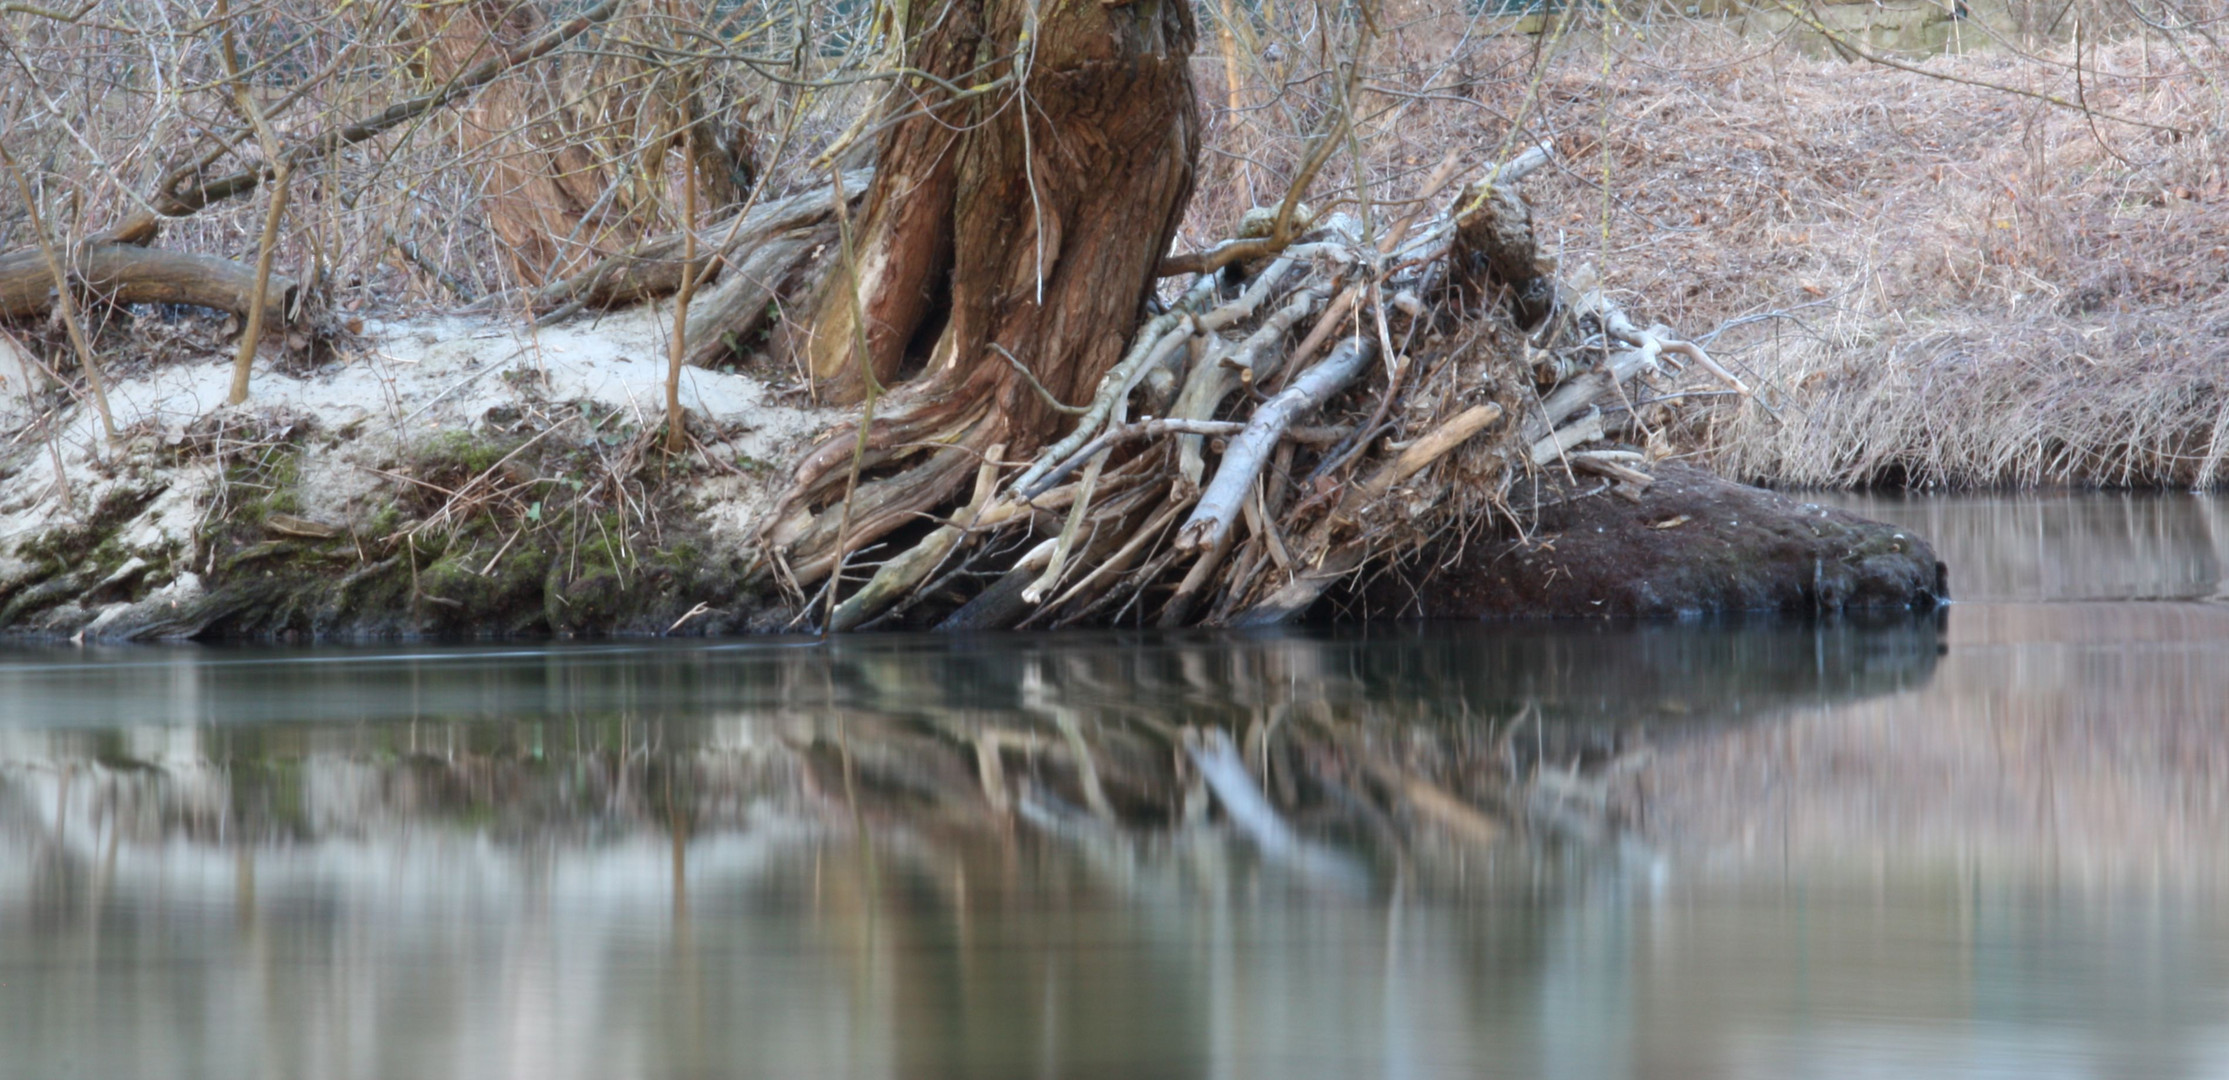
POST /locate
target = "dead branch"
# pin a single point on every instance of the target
(122, 274)
(1242, 463)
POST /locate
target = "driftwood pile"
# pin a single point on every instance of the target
(1313, 405)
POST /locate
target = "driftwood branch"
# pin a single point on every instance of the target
(1119, 517)
(1423, 452)
(655, 267)
(1243, 460)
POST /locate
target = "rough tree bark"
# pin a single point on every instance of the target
(1003, 231)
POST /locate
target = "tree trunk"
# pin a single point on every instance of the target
(1023, 229)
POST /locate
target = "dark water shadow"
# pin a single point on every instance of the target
(1609, 672)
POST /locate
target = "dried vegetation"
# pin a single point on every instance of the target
(2004, 267)
(1933, 283)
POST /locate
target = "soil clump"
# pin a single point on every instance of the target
(1691, 544)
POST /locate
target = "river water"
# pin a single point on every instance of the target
(1988, 842)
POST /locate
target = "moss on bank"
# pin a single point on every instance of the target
(470, 535)
(457, 587)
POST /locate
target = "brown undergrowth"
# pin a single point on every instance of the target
(1932, 284)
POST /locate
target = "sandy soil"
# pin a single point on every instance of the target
(393, 387)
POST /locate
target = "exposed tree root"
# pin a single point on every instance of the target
(1256, 478)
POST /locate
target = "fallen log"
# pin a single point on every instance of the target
(126, 274)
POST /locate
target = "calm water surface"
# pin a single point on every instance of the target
(1987, 843)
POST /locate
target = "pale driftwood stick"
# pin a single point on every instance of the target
(1327, 324)
(1695, 352)
(1117, 562)
(1313, 436)
(1114, 391)
(1567, 400)
(1261, 525)
(1602, 463)
(1424, 451)
(1161, 339)
(1118, 411)
(1622, 457)
(1121, 434)
(918, 562)
(1255, 358)
(1662, 339)
(1050, 579)
(1297, 595)
(1242, 462)
(1148, 350)
(1518, 167)
(1187, 596)
(1584, 430)
(1256, 291)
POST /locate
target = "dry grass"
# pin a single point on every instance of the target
(1936, 284)
(1933, 283)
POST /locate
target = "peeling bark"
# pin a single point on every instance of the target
(1042, 225)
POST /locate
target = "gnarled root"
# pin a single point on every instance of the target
(1257, 476)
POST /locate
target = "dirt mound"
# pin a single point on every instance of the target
(1691, 544)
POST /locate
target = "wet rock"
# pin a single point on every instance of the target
(1693, 544)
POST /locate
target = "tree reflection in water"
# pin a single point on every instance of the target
(992, 856)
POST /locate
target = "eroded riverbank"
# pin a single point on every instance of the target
(459, 479)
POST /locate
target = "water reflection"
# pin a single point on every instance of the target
(2030, 547)
(879, 858)
(1984, 844)
(1576, 669)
